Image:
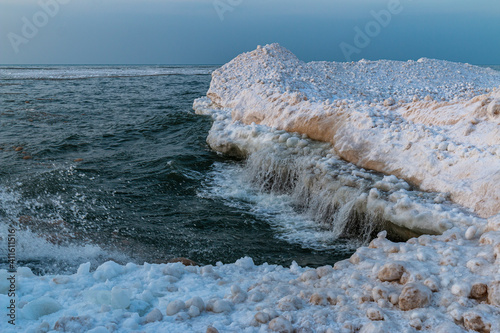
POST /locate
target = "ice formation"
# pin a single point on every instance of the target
(433, 123)
(335, 193)
(426, 125)
(440, 284)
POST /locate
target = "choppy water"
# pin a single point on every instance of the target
(110, 162)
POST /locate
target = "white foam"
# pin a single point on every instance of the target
(87, 72)
(231, 184)
(40, 249)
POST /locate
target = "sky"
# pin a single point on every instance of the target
(215, 31)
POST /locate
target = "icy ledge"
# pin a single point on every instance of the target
(432, 123)
(351, 201)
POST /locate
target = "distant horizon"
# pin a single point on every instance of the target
(82, 64)
(221, 64)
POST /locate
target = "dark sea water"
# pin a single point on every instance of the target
(102, 162)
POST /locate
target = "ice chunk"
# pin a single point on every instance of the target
(108, 270)
(39, 308)
(494, 293)
(120, 298)
(154, 315)
(196, 301)
(281, 325)
(83, 269)
(100, 297)
(174, 307)
(221, 305)
(246, 263)
(25, 272)
(414, 295)
(391, 272)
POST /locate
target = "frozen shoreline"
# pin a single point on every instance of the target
(443, 283)
(431, 284)
(441, 116)
(336, 193)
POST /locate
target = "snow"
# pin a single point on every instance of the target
(385, 285)
(278, 112)
(441, 116)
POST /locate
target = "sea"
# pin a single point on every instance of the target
(102, 163)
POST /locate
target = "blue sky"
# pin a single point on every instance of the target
(215, 31)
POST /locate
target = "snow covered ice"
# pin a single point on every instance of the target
(414, 146)
(379, 115)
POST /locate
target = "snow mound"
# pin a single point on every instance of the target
(430, 122)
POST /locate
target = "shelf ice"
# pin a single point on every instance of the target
(433, 123)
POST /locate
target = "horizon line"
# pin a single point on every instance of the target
(166, 64)
(103, 64)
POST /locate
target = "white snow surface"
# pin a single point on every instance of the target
(434, 283)
(446, 283)
(433, 123)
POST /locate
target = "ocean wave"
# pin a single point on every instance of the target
(232, 184)
(44, 241)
